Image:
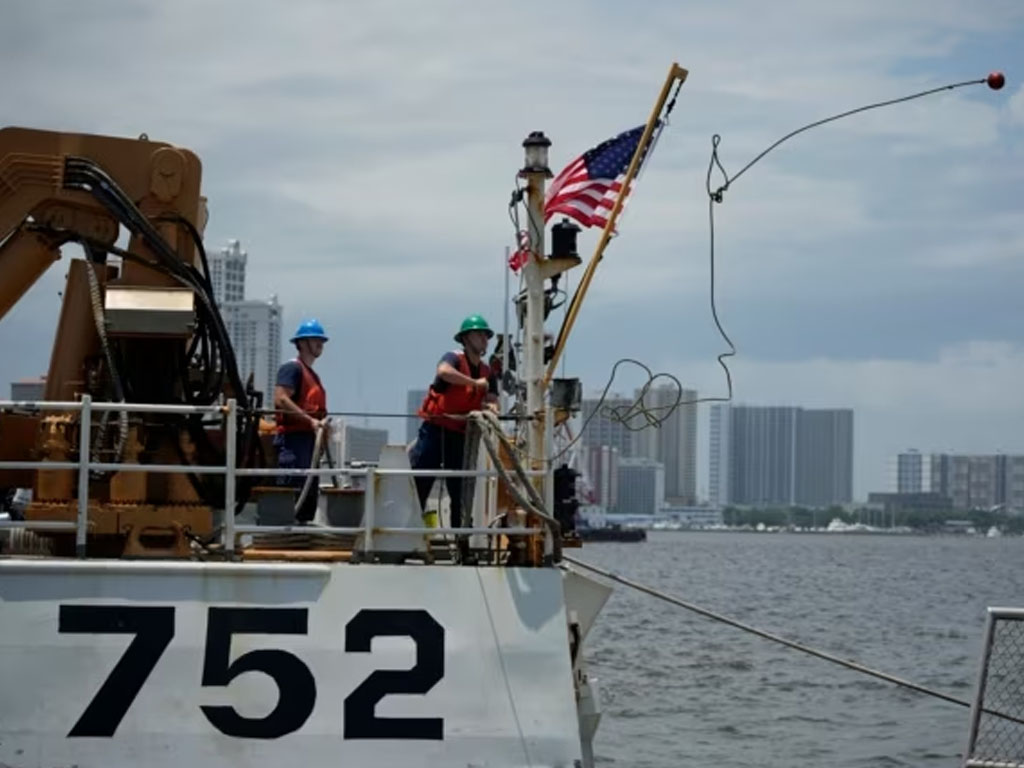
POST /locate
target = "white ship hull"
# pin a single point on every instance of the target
(110, 664)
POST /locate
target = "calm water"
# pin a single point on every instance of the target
(680, 690)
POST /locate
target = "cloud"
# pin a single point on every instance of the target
(1015, 106)
(365, 154)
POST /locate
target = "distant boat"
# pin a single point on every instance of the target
(612, 532)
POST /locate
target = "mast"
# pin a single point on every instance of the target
(536, 172)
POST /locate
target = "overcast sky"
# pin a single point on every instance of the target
(364, 157)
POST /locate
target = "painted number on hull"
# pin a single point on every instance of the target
(360, 720)
(297, 689)
(153, 628)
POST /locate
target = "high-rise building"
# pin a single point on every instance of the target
(764, 456)
(603, 475)
(983, 488)
(824, 460)
(603, 429)
(254, 326)
(641, 486)
(674, 442)
(1014, 478)
(413, 401)
(939, 473)
(910, 472)
(969, 481)
(28, 389)
(718, 475)
(350, 443)
(227, 272)
(255, 331)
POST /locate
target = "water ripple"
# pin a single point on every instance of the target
(679, 690)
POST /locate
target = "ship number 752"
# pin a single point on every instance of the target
(153, 629)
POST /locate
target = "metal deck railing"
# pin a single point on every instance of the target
(230, 530)
(998, 742)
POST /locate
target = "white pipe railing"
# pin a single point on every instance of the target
(230, 462)
(231, 472)
(356, 530)
(353, 472)
(84, 449)
(39, 525)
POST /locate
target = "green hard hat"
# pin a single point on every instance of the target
(473, 323)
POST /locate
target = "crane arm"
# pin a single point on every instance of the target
(24, 257)
(43, 205)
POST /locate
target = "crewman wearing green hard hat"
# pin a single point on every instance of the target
(462, 383)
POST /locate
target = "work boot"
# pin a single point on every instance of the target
(466, 555)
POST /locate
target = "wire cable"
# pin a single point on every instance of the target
(718, 195)
(650, 415)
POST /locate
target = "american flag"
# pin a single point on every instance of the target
(586, 190)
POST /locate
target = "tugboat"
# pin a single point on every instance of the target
(614, 532)
(593, 526)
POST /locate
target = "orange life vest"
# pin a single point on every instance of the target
(455, 400)
(311, 397)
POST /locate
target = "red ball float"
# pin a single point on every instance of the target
(995, 80)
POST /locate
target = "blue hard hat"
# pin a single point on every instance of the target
(309, 329)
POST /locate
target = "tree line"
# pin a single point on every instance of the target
(917, 519)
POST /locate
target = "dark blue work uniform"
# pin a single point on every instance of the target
(295, 448)
(440, 448)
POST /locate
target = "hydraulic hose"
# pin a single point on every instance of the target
(318, 447)
(101, 330)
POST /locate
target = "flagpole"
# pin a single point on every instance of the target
(675, 73)
(505, 340)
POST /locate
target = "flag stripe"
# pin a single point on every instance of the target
(569, 175)
(589, 196)
(572, 213)
(594, 191)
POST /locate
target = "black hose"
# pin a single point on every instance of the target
(85, 174)
(211, 340)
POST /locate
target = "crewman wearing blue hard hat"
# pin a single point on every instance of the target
(300, 406)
